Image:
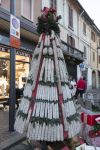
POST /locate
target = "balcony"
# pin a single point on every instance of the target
(72, 53)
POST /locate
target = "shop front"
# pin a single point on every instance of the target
(23, 58)
(22, 70)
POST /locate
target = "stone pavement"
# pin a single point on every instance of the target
(7, 138)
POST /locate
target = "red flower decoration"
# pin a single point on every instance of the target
(46, 10)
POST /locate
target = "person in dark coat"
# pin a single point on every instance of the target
(18, 95)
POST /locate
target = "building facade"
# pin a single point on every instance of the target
(29, 38)
(89, 37)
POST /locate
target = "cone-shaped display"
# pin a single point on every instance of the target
(47, 111)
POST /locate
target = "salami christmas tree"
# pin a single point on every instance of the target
(47, 111)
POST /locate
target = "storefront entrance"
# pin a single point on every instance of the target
(22, 70)
(72, 70)
(93, 79)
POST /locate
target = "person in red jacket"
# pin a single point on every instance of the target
(81, 87)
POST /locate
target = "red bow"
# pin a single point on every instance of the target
(46, 10)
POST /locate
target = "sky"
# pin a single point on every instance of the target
(92, 7)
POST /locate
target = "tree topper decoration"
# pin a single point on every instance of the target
(48, 21)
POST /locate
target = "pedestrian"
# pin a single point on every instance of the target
(81, 87)
(18, 95)
(84, 78)
(21, 90)
(73, 87)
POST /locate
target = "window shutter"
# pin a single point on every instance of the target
(73, 42)
(70, 17)
(45, 3)
(67, 39)
(53, 3)
(60, 10)
(65, 14)
(27, 6)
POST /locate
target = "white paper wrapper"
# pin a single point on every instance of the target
(58, 132)
(28, 91)
(61, 133)
(43, 132)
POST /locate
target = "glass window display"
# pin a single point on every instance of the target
(22, 70)
(4, 78)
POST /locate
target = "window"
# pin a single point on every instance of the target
(85, 55)
(70, 17)
(53, 4)
(99, 59)
(4, 78)
(93, 56)
(27, 9)
(84, 28)
(92, 36)
(99, 42)
(71, 41)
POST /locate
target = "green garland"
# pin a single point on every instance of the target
(36, 56)
(48, 21)
(95, 108)
(21, 114)
(73, 117)
(46, 120)
(46, 101)
(48, 83)
(28, 98)
(30, 81)
(49, 56)
(97, 127)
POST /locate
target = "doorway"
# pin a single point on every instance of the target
(93, 79)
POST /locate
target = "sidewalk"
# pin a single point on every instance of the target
(7, 138)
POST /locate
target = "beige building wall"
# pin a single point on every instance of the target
(18, 7)
(98, 52)
(37, 10)
(5, 4)
(94, 51)
(93, 58)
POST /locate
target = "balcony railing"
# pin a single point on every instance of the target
(67, 49)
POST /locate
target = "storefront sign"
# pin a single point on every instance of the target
(14, 32)
(81, 66)
(14, 26)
